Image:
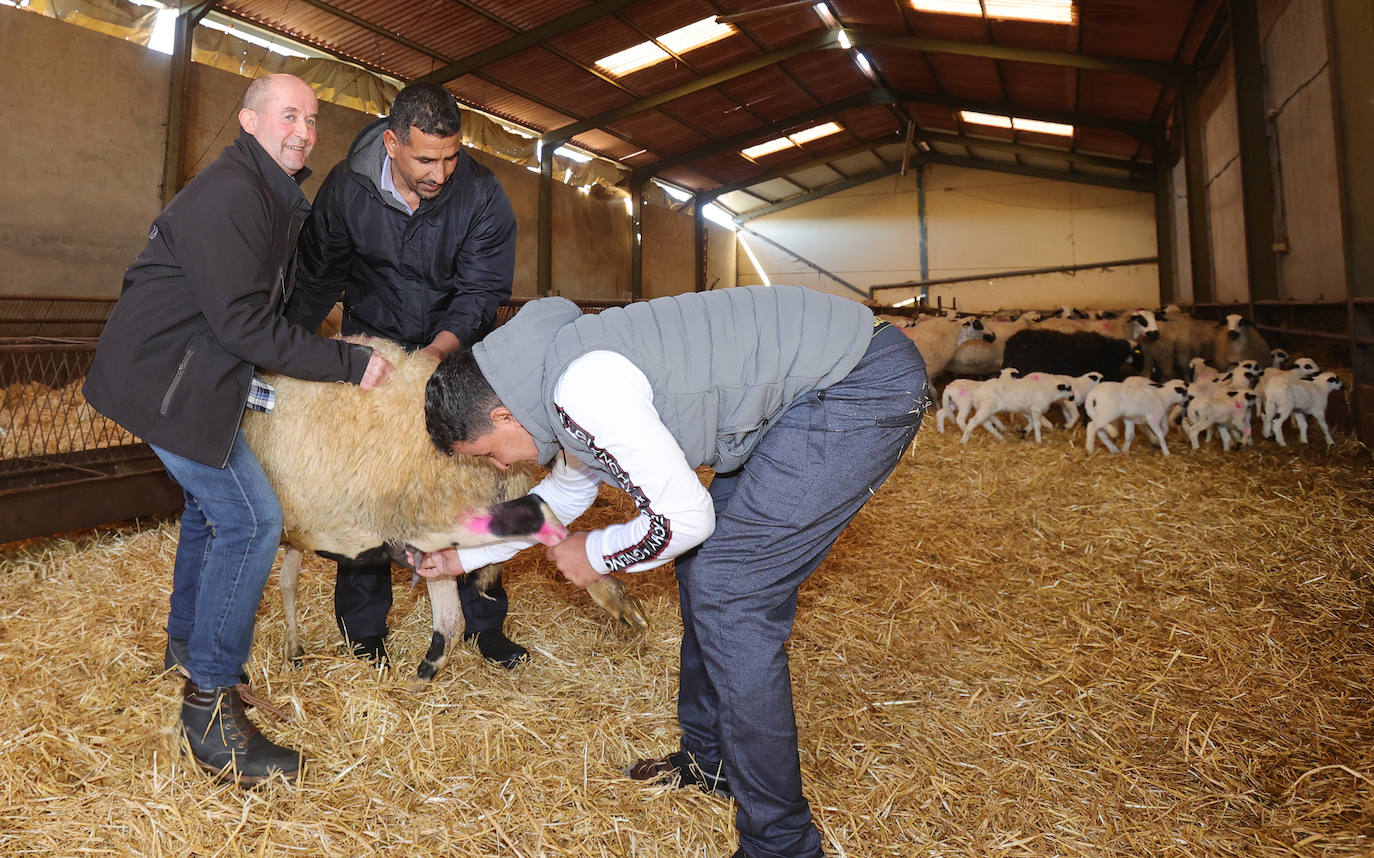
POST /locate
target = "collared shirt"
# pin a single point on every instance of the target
(389, 186)
(261, 395)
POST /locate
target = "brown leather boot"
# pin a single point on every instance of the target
(225, 743)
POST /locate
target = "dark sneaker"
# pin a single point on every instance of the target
(226, 744)
(680, 769)
(499, 649)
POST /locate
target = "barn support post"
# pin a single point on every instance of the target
(178, 90)
(1195, 178)
(922, 243)
(636, 238)
(1256, 172)
(545, 280)
(1164, 223)
(699, 202)
(1350, 32)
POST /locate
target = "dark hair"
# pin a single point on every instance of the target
(428, 107)
(458, 401)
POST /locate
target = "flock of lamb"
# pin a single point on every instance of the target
(1151, 368)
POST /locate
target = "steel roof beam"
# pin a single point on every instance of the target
(784, 172)
(1015, 169)
(823, 191)
(877, 97)
(1171, 73)
(1079, 159)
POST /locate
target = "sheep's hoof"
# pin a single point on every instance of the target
(617, 600)
(434, 659)
(295, 656)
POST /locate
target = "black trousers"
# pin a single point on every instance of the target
(362, 599)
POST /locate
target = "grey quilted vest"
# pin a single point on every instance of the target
(723, 365)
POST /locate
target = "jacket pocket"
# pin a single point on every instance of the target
(176, 380)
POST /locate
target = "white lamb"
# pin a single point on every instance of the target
(1296, 397)
(1132, 403)
(1226, 410)
(956, 401)
(1029, 396)
(1303, 367)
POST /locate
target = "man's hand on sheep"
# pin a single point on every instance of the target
(570, 556)
(438, 564)
(378, 368)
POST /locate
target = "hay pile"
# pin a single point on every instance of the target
(1013, 651)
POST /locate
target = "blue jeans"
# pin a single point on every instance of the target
(230, 530)
(776, 519)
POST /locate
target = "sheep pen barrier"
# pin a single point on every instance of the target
(1014, 650)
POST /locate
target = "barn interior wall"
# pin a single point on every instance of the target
(669, 261)
(82, 182)
(1302, 131)
(1303, 159)
(976, 222)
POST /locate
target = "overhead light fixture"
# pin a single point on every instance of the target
(844, 40)
(865, 66)
(827, 17)
(679, 41)
(1047, 11)
(1034, 126)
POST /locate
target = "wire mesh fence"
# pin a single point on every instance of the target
(42, 412)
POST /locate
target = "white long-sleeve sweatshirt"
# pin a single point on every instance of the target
(611, 401)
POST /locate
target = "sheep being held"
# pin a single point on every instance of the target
(355, 469)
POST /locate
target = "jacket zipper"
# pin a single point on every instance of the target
(176, 380)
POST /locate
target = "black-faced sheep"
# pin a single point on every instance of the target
(936, 340)
(355, 469)
(1072, 353)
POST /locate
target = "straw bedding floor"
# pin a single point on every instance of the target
(1013, 651)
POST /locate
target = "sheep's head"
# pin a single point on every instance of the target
(1277, 358)
(1144, 325)
(527, 517)
(1306, 368)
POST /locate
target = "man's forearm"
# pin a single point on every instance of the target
(442, 344)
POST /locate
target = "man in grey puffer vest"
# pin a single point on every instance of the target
(799, 401)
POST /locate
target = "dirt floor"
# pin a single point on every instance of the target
(1015, 650)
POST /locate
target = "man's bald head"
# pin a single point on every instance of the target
(279, 110)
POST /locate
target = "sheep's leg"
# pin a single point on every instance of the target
(1321, 421)
(1300, 419)
(1225, 439)
(287, 580)
(995, 428)
(1277, 425)
(1159, 433)
(940, 420)
(1070, 415)
(1033, 422)
(1193, 432)
(611, 594)
(974, 422)
(1128, 436)
(448, 624)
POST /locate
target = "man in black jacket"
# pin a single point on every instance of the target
(421, 238)
(200, 311)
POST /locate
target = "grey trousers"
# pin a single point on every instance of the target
(776, 519)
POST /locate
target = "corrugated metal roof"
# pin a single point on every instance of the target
(716, 95)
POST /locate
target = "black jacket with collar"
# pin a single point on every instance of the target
(405, 277)
(201, 308)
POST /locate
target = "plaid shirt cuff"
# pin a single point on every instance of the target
(261, 395)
